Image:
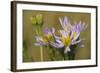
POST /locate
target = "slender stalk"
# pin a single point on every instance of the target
(64, 57)
(41, 52)
(41, 47)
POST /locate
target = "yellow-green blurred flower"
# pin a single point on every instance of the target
(37, 20)
(34, 21)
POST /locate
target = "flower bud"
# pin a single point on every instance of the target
(34, 20)
(39, 18)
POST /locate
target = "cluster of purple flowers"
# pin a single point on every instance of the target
(68, 35)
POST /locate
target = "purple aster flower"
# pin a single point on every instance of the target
(65, 41)
(69, 35)
(44, 40)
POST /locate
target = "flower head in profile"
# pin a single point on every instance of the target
(46, 38)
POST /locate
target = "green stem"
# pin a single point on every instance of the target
(41, 47)
(71, 56)
(41, 52)
(64, 57)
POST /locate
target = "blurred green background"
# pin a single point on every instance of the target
(31, 53)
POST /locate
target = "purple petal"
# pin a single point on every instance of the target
(46, 30)
(75, 30)
(56, 37)
(56, 45)
(65, 22)
(76, 42)
(61, 22)
(79, 27)
(37, 44)
(63, 33)
(38, 38)
(59, 41)
(40, 44)
(39, 41)
(44, 44)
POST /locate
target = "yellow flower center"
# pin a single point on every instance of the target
(46, 38)
(66, 40)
